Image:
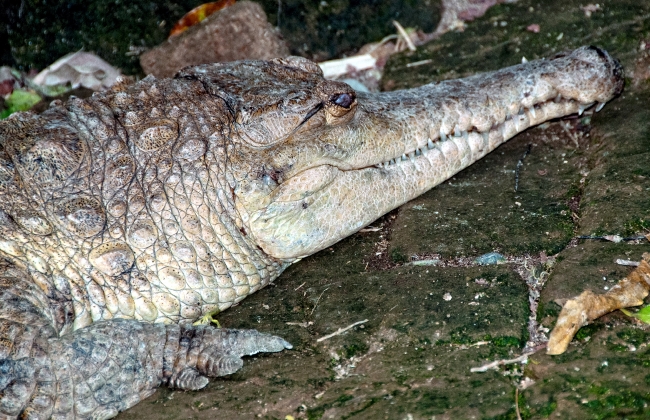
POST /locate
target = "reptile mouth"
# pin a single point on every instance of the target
(478, 141)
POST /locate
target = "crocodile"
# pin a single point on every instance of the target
(127, 216)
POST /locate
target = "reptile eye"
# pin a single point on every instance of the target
(343, 100)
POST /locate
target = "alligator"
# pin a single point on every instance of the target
(127, 216)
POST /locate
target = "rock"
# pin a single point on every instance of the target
(239, 32)
(79, 69)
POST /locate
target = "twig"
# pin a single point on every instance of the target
(570, 134)
(517, 403)
(419, 63)
(335, 68)
(627, 262)
(296, 289)
(519, 165)
(406, 36)
(613, 238)
(318, 300)
(301, 324)
(341, 331)
(370, 229)
(497, 363)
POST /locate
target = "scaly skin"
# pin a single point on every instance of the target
(127, 216)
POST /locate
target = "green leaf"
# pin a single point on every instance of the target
(642, 315)
(52, 91)
(20, 100)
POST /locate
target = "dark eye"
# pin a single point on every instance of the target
(343, 100)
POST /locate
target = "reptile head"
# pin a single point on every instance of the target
(316, 161)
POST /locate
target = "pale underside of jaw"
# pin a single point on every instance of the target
(481, 142)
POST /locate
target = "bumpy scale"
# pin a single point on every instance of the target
(127, 216)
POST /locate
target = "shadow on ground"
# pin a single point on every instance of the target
(428, 325)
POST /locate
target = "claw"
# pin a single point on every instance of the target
(189, 379)
(225, 348)
(208, 319)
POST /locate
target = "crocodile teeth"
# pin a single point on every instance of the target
(582, 107)
(600, 106)
(517, 118)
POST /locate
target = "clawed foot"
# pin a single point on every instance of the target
(588, 306)
(210, 352)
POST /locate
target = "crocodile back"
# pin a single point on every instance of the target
(123, 204)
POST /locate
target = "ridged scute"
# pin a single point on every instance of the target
(112, 258)
(119, 172)
(45, 151)
(82, 216)
(32, 222)
(156, 134)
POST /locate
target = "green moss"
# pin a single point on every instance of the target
(432, 403)
(637, 226)
(506, 342)
(315, 413)
(598, 389)
(478, 382)
(587, 331)
(625, 403)
(548, 309)
(633, 336)
(367, 405)
(343, 398)
(460, 336)
(397, 256)
(354, 349)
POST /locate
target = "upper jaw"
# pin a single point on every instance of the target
(490, 107)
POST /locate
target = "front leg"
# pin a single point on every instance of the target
(107, 367)
(112, 365)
